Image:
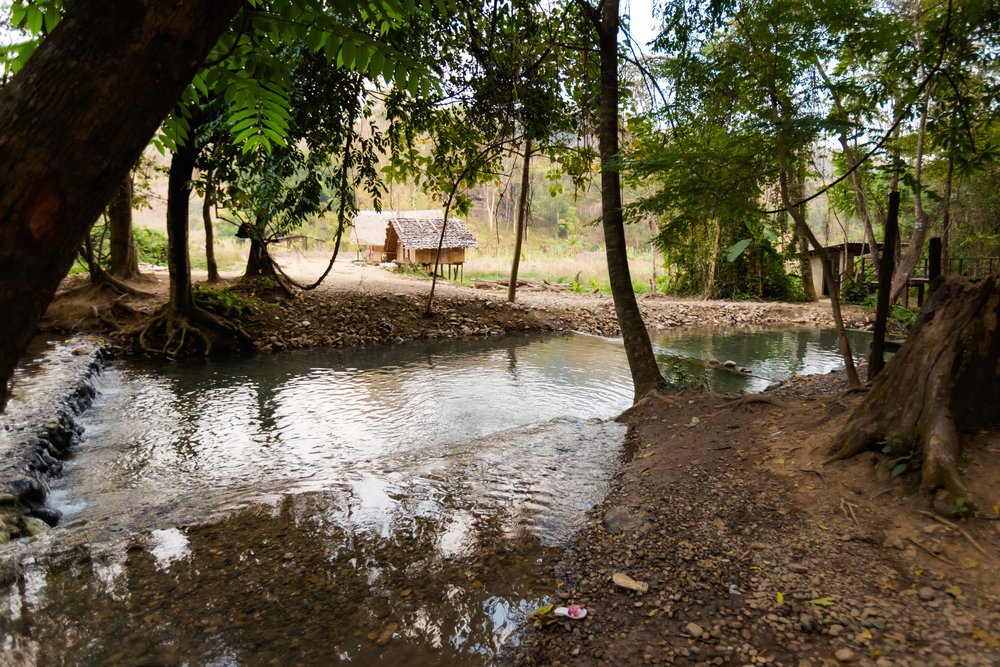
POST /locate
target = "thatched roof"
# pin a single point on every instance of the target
(370, 226)
(425, 233)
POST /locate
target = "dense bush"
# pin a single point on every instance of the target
(150, 245)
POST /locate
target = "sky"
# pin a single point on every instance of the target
(642, 24)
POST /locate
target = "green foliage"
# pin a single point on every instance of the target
(908, 462)
(225, 302)
(150, 245)
(856, 292)
(961, 508)
(903, 316)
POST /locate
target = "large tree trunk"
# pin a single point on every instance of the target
(124, 259)
(178, 254)
(73, 123)
(522, 215)
(181, 327)
(943, 381)
(646, 376)
(258, 261)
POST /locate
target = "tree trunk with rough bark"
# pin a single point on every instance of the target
(206, 216)
(522, 214)
(943, 381)
(178, 254)
(73, 122)
(258, 261)
(805, 267)
(181, 327)
(124, 259)
(646, 376)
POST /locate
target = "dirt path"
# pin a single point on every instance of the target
(756, 552)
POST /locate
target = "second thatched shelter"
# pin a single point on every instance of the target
(416, 240)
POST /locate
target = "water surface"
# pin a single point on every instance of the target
(394, 506)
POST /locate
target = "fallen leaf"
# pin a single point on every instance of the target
(825, 601)
(779, 462)
(719, 523)
(694, 421)
(625, 581)
(866, 634)
(822, 526)
(953, 591)
(653, 612)
(986, 637)
(779, 598)
(387, 634)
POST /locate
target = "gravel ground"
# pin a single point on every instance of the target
(747, 565)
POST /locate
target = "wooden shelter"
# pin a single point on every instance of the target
(368, 231)
(416, 240)
(843, 258)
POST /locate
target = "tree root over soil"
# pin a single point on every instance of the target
(196, 332)
(944, 380)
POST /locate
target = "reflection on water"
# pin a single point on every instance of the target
(286, 585)
(770, 355)
(395, 506)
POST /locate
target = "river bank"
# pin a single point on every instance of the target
(756, 551)
(366, 305)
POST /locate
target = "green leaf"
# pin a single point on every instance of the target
(825, 601)
(243, 124)
(244, 136)
(35, 20)
(735, 250)
(347, 51)
(52, 18)
(899, 469)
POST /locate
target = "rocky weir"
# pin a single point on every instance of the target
(51, 388)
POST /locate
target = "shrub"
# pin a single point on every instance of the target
(150, 245)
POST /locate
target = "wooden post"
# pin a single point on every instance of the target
(876, 361)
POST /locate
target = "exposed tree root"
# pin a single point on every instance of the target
(961, 530)
(194, 333)
(943, 381)
(754, 399)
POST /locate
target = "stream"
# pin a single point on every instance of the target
(389, 506)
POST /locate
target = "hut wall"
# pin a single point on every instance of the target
(448, 256)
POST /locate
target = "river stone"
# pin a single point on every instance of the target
(622, 519)
(694, 630)
(844, 655)
(33, 526)
(8, 499)
(49, 515)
